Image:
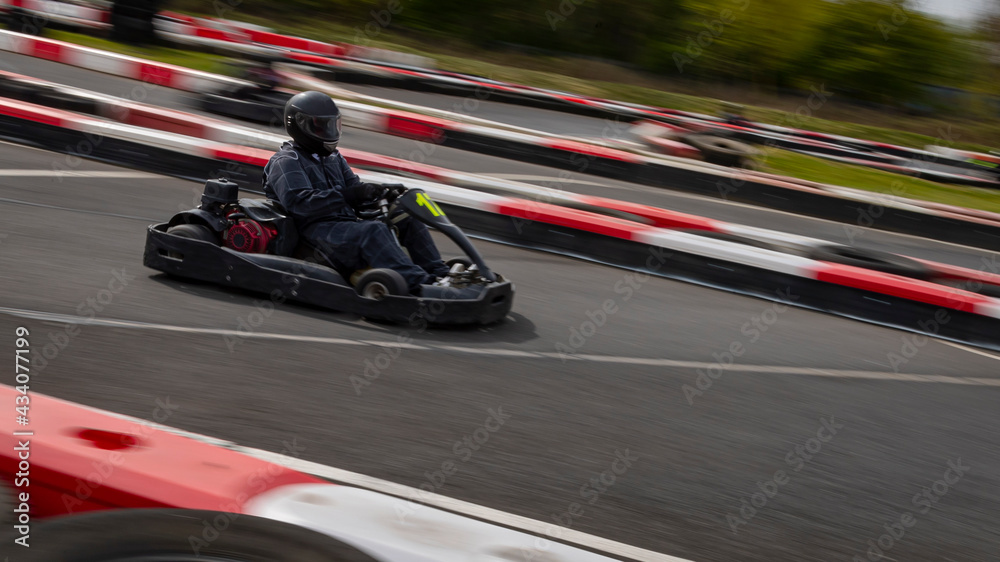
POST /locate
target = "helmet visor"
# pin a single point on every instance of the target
(325, 128)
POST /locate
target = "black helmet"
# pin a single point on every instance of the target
(313, 121)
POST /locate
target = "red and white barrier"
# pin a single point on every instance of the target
(154, 73)
(539, 204)
(69, 459)
(61, 12)
(82, 460)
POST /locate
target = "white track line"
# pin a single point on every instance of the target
(346, 477)
(971, 350)
(79, 174)
(508, 353)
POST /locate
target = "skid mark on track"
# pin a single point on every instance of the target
(507, 353)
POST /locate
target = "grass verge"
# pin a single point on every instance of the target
(817, 169)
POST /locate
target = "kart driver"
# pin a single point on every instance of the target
(329, 203)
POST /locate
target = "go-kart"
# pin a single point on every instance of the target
(249, 103)
(253, 245)
(259, 99)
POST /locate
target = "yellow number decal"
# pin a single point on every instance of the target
(425, 201)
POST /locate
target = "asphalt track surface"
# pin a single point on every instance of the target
(238, 369)
(574, 181)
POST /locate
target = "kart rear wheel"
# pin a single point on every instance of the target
(182, 535)
(377, 284)
(722, 151)
(192, 232)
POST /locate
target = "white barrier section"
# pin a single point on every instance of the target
(729, 251)
(991, 309)
(397, 530)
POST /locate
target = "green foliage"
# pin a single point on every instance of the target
(878, 50)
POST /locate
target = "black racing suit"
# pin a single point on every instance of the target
(315, 191)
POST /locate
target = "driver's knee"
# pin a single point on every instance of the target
(374, 231)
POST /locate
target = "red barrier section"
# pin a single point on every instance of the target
(661, 218)
(156, 73)
(37, 113)
(163, 120)
(79, 459)
(305, 57)
(591, 150)
(367, 159)
(580, 220)
(246, 155)
(415, 126)
(894, 285)
(47, 50)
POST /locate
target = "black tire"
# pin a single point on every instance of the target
(870, 259)
(379, 283)
(731, 238)
(194, 232)
(722, 151)
(174, 534)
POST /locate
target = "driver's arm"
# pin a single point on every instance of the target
(350, 177)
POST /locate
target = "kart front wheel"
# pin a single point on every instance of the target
(465, 262)
(377, 284)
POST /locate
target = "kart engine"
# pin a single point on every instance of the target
(249, 236)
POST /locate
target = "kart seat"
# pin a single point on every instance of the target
(309, 252)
